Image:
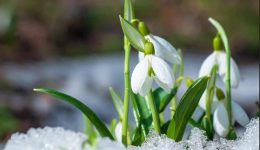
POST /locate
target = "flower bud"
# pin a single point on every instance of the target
(148, 48)
(217, 43)
(143, 29)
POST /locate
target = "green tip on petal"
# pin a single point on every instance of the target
(217, 43)
(143, 28)
(148, 48)
(220, 94)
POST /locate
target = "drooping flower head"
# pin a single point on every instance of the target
(218, 57)
(220, 114)
(163, 48)
(151, 68)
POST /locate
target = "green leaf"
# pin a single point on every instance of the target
(162, 98)
(112, 127)
(221, 31)
(185, 109)
(129, 10)
(117, 102)
(138, 137)
(100, 126)
(232, 134)
(165, 126)
(133, 35)
(142, 113)
(90, 131)
(208, 127)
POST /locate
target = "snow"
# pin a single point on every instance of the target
(46, 139)
(59, 139)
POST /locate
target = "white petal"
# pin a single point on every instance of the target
(239, 114)
(146, 86)
(164, 49)
(208, 64)
(234, 71)
(202, 102)
(140, 56)
(220, 120)
(140, 81)
(118, 132)
(166, 87)
(163, 74)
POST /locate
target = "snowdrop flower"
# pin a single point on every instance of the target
(163, 48)
(220, 115)
(218, 57)
(151, 68)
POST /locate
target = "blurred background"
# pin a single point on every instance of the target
(75, 46)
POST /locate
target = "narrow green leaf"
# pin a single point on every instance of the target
(129, 10)
(117, 102)
(232, 134)
(221, 31)
(112, 127)
(90, 131)
(208, 127)
(185, 109)
(133, 35)
(165, 126)
(141, 109)
(100, 126)
(162, 98)
(138, 137)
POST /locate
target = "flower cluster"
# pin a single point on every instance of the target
(159, 62)
(219, 104)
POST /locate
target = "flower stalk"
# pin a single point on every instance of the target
(128, 15)
(228, 58)
(210, 91)
(155, 114)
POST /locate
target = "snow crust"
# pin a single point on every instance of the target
(60, 139)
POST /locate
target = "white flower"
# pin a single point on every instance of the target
(163, 49)
(220, 115)
(219, 58)
(149, 68)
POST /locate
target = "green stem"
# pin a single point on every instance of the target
(129, 16)
(228, 87)
(155, 115)
(181, 73)
(210, 91)
(126, 92)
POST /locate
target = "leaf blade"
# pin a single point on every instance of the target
(133, 35)
(162, 98)
(118, 103)
(100, 126)
(185, 109)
